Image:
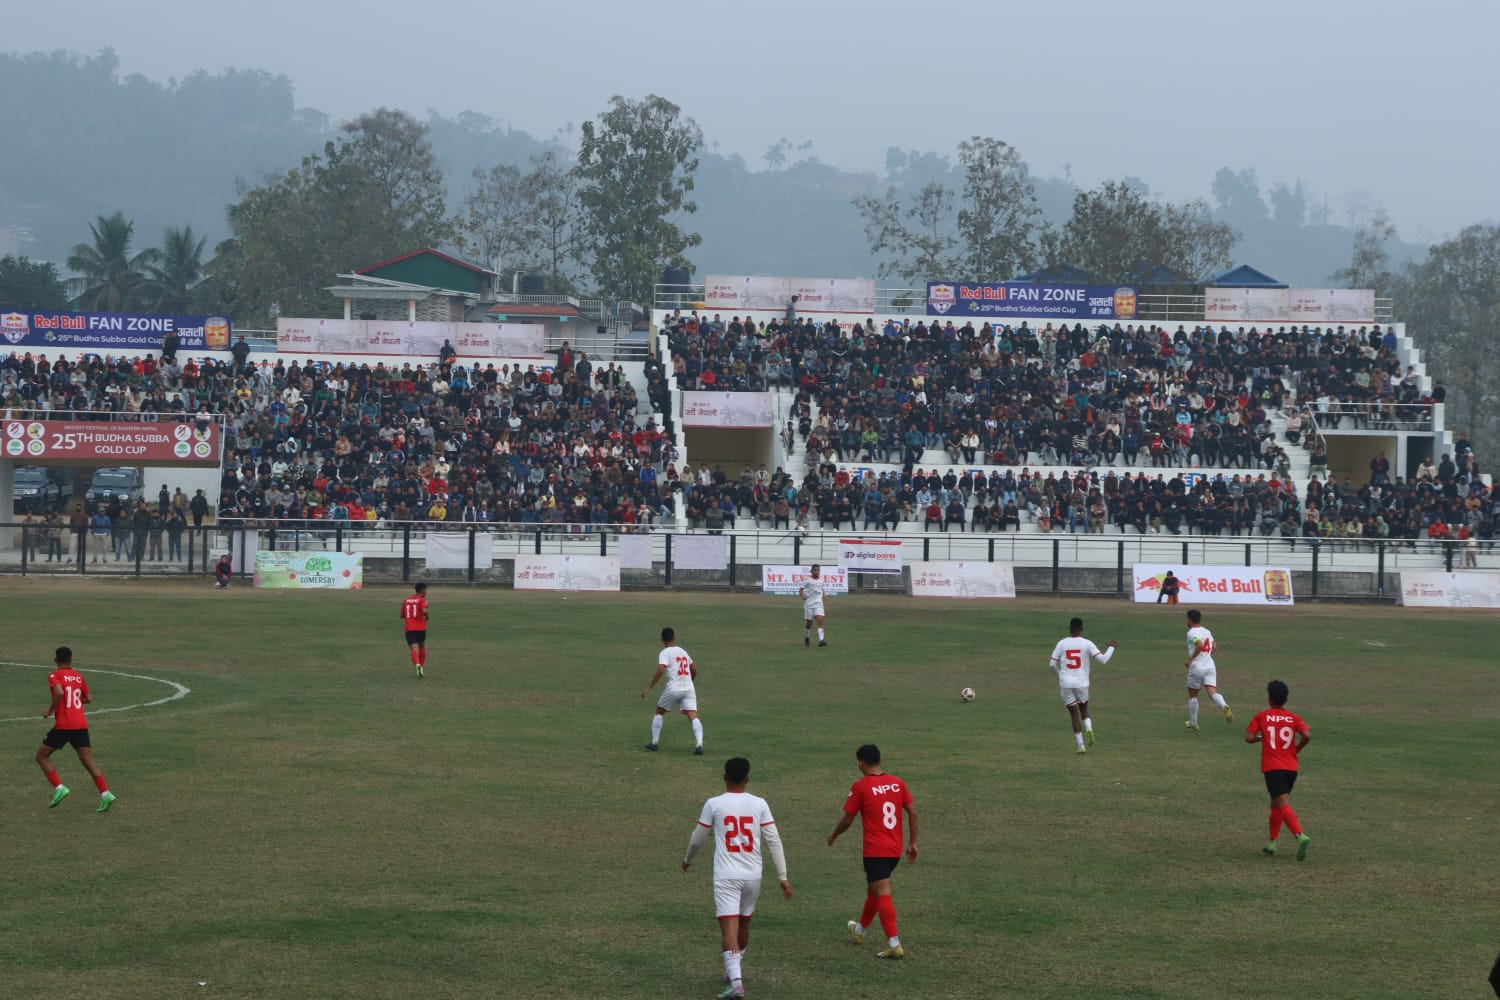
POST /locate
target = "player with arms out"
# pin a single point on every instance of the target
(812, 606)
(879, 800)
(414, 616)
(739, 824)
(1070, 662)
(678, 692)
(1282, 735)
(70, 692)
(1201, 672)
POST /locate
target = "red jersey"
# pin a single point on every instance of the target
(75, 693)
(880, 800)
(1278, 728)
(414, 612)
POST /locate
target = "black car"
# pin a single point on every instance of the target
(111, 487)
(38, 490)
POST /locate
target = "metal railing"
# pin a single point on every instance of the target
(1365, 417)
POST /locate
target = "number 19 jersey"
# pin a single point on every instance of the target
(736, 819)
(1278, 728)
(879, 799)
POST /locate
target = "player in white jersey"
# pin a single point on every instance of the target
(1201, 671)
(678, 692)
(1070, 661)
(739, 824)
(812, 606)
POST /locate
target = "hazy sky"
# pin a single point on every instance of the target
(1380, 100)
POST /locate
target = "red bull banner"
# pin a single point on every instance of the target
(1214, 584)
(113, 443)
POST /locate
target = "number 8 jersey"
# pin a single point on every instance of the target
(880, 800)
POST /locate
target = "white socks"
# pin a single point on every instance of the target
(1078, 738)
(1219, 700)
(732, 965)
(821, 635)
(1088, 725)
(656, 721)
(1193, 710)
(697, 731)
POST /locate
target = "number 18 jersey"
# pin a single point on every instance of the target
(75, 691)
(879, 799)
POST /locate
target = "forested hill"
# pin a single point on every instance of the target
(80, 141)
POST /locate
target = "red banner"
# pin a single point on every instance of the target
(98, 442)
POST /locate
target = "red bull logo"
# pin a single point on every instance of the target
(1154, 583)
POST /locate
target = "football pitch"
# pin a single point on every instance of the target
(310, 820)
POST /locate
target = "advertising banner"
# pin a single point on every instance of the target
(728, 409)
(309, 570)
(1449, 590)
(1312, 306)
(999, 301)
(870, 555)
(102, 333)
(973, 580)
(415, 339)
(787, 579)
(110, 443)
(450, 550)
(1331, 305)
(557, 572)
(1215, 584)
(814, 295)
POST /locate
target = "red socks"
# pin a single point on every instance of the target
(53, 778)
(416, 658)
(867, 915)
(423, 654)
(101, 784)
(887, 907)
(1291, 821)
(1275, 822)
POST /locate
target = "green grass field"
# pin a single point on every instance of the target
(312, 821)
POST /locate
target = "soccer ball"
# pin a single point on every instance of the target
(967, 694)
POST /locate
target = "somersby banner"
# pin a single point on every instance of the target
(309, 570)
(1214, 584)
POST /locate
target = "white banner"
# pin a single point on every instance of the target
(553, 572)
(1246, 305)
(700, 552)
(1215, 584)
(995, 580)
(419, 339)
(309, 570)
(636, 551)
(1450, 590)
(1332, 305)
(450, 550)
(814, 295)
(1312, 306)
(788, 579)
(870, 555)
(728, 409)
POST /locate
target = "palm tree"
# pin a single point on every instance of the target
(106, 277)
(177, 269)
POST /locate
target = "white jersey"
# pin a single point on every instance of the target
(1205, 638)
(677, 668)
(812, 592)
(737, 821)
(1071, 658)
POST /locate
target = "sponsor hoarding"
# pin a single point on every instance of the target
(728, 409)
(1312, 306)
(789, 579)
(559, 572)
(970, 580)
(146, 443)
(1449, 590)
(991, 300)
(106, 332)
(1215, 584)
(814, 295)
(309, 570)
(415, 339)
(870, 555)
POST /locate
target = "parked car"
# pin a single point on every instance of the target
(38, 490)
(125, 487)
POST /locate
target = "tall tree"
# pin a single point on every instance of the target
(1238, 194)
(30, 284)
(635, 172)
(915, 243)
(493, 224)
(107, 276)
(178, 268)
(554, 222)
(997, 224)
(1369, 257)
(1117, 233)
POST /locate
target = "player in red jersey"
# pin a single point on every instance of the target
(1281, 734)
(70, 692)
(879, 799)
(414, 616)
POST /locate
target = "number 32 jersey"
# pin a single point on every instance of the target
(737, 820)
(677, 667)
(880, 799)
(1278, 728)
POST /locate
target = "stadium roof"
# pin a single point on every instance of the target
(1244, 276)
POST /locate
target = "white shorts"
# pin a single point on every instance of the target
(687, 701)
(1074, 695)
(811, 610)
(736, 897)
(1202, 676)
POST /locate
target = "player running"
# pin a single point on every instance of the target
(1201, 672)
(1070, 662)
(678, 692)
(812, 606)
(739, 824)
(414, 615)
(70, 692)
(1282, 735)
(878, 798)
